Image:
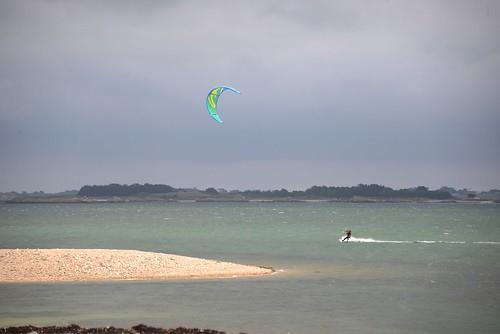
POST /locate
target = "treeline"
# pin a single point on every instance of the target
(115, 189)
(361, 190)
(377, 191)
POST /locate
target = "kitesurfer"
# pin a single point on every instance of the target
(347, 236)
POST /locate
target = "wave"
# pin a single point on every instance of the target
(487, 242)
(371, 240)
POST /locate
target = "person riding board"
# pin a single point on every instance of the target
(347, 236)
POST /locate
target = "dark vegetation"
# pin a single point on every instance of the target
(361, 190)
(115, 189)
(315, 192)
(75, 329)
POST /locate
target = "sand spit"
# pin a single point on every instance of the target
(38, 265)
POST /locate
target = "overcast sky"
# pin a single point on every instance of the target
(401, 93)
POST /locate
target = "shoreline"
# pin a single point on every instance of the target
(75, 329)
(111, 200)
(76, 265)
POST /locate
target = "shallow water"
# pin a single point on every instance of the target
(409, 268)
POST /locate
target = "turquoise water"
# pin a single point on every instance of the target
(410, 268)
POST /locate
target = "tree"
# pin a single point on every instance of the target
(211, 191)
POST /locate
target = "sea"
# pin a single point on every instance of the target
(408, 268)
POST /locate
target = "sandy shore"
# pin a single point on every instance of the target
(35, 265)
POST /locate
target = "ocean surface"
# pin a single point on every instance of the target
(409, 268)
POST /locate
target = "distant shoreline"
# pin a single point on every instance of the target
(75, 329)
(93, 200)
(361, 193)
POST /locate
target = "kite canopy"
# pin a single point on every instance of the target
(213, 97)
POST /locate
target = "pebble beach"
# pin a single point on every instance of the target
(45, 265)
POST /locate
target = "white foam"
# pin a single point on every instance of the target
(371, 240)
(277, 271)
(438, 242)
(487, 242)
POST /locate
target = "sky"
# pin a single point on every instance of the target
(400, 93)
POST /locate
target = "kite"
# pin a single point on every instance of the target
(213, 97)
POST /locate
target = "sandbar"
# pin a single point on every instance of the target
(46, 265)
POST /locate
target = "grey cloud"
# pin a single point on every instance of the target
(324, 83)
